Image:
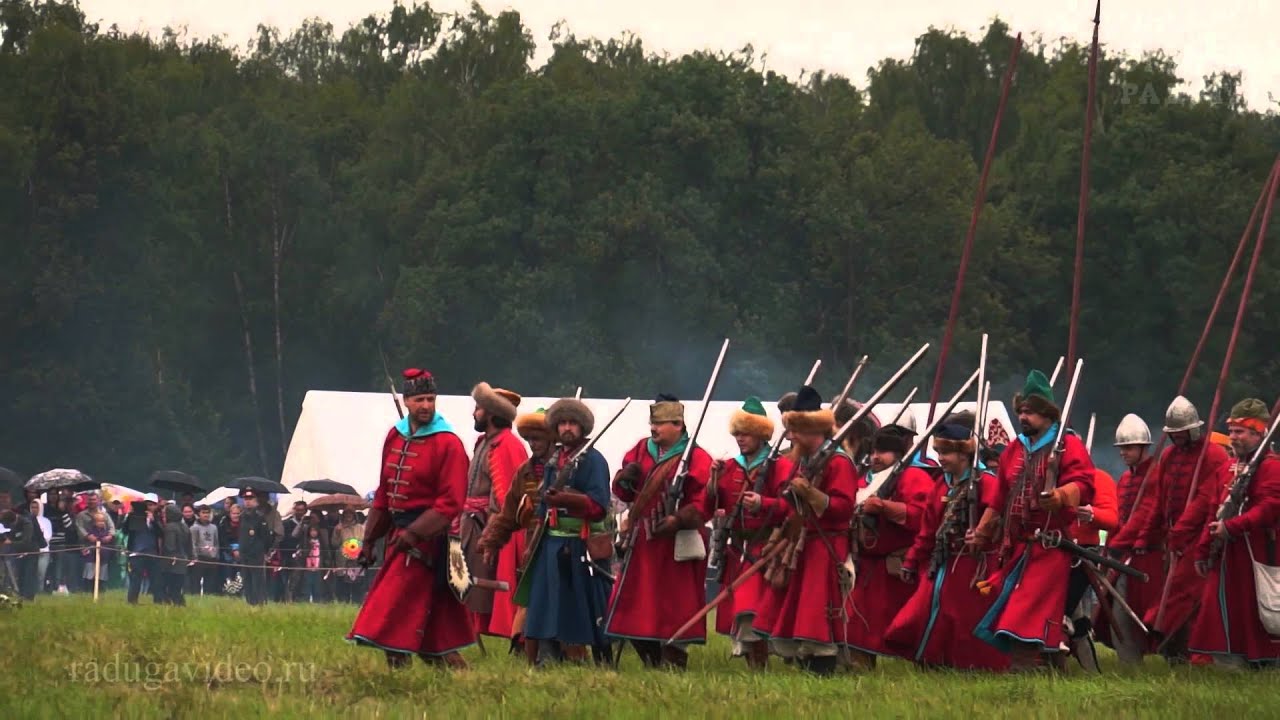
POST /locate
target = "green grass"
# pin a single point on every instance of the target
(293, 662)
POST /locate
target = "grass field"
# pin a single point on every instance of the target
(69, 658)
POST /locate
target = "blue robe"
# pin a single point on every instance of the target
(566, 601)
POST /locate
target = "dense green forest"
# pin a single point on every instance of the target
(194, 235)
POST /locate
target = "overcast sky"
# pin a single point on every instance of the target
(842, 37)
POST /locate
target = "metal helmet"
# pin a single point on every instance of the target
(1181, 416)
(1132, 431)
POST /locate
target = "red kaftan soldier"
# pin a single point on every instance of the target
(410, 609)
(802, 612)
(751, 505)
(658, 590)
(1133, 439)
(512, 516)
(898, 506)
(1031, 585)
(497, 455)
(1167, 522)
(935, 626)
(1228, 626)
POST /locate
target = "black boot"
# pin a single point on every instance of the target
(820, 666)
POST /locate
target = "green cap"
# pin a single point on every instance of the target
(753, 406)
(1251, 409)
(1038, 386)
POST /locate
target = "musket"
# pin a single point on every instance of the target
(1088, 438)
(1052, 539)
(848, 387)
(890, 484)
(1060, 442)
(774, 549)
(1239, 490)
(776, 450)
(562, 478)
(578, 395)
(1053, 379)
(675, 491)
(391, 385)
(979, 428)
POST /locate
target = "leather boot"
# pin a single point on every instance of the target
(820, 666)
(650, 652)
(455, 661)
(576, 654)
(396, 660)
(757, 654)
(675, 657)
(531, 651)
(862, 661)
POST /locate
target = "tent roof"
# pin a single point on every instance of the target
(339, 435)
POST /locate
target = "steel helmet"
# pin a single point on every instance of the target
(1132, 431)
(1182, 416)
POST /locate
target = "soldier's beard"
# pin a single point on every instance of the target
(1027, 429)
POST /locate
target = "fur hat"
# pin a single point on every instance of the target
(1037, 396)
(533, 425)
(786, 402)
(807, 414)
(496, 401)
(954, 437)
(573, 411)
(751, 419)
(964, 417)
(417, 382)
(666, 408)
(891, 439)
(1251, 413)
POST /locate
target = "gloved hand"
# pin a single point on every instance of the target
(666, 527)
(630, 476)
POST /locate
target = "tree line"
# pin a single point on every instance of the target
(195, 234)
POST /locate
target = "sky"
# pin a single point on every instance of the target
(841, 37)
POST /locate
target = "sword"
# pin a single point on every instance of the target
(1115, 595)
(1055, 539)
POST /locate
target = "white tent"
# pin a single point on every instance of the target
(339, 435)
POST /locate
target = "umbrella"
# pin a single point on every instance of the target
(62, 478)
(176, 481)
(260, 484)
(338, 500)
(326, 486)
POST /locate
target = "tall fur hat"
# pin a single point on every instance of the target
(866, 427)
(666, 408)
(417, 382)
(1037, 396)
(496, 401)
(891, 439)
(954, 437)
(573, 410)
(533, 425)
(752, 420)
(807, 414)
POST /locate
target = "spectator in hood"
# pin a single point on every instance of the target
(143, 540)
(46, 532)
(178, 552)
(95, 561)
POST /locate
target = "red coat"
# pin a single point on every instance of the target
(751, 528)
(878, 590)
(1157, 520)
(657, 595)
(1143, 597)
(1227, 623)
(506, 455)
(407, 609)
(1031, 587)
(807, 608)
(935, 625)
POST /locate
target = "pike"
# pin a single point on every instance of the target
(1234, 504)
(562, 478)
(671, 499)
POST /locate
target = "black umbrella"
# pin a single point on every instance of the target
(62, 478)
(326, 487)
(176, 481)
(11, 482)
(260, 484)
